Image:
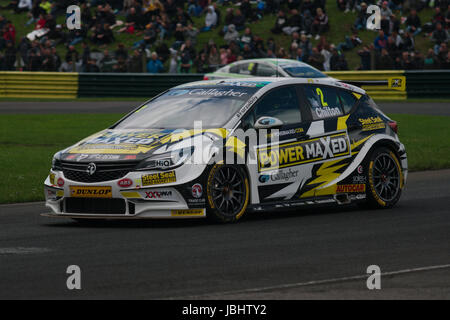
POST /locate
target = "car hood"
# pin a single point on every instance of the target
(115, 144)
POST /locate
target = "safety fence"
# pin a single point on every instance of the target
(49, 85)
(381, 85)
(428, 84)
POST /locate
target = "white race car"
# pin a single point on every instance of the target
(267, 67)
(221, 148)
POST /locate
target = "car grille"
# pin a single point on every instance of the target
(106, 171)
(95, 205)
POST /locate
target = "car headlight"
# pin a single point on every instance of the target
(168, 160)
(56, 161)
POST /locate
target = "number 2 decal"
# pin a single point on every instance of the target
(320, 93)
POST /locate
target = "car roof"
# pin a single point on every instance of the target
(275, 61)
(273, 82)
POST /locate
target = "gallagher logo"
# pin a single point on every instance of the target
(125, 183)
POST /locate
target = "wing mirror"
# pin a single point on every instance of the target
(268, 123)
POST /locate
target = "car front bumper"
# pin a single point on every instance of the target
(109, 200)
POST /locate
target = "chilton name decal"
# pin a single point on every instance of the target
(295, 153)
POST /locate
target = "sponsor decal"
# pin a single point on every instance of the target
(360, 169)
(197, 190)
(295, 153)
(359, 196)
(351, 188)
(90, 192)
(160, 194)
(372, 123)
(158, 178)
(82, 157)
(174, 93)
(285, 132)
(397, 83)
(125, 183)
(130, 157)
(96, 157)
(279, 175)
(209, 92)
(359, 179)
(196, 201)
(52, 178)
(162, 163)
(60, 182)
(246, 106)
(188, 213)
(249, 84)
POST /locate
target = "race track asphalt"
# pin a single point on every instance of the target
(429, 108)
(300, 255)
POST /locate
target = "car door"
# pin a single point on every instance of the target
(276, 175)
(328, 147)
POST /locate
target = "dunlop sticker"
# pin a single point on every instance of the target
(159, 178)
(90, 192)
(295, 153)
(188, 213)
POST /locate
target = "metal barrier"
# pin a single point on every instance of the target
(428, 84)
(130, 84)
(387, 85)
(38, 85)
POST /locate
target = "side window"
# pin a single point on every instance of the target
(265, 70)
(348, 100)
(248, 121)
(234, 68)
(246, 68)
(281, 103)
(324, 102)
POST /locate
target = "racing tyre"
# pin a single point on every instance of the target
(228, 193)
(384, 179)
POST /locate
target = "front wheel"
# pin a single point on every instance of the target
(384, 179)
(228, 192)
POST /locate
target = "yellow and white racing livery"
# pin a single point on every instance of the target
(221, 148)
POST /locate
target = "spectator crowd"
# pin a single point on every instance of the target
(167, 35)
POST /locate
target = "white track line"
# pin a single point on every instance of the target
(316, 282)
(23, 250)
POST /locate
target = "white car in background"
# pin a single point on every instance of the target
(269, 67)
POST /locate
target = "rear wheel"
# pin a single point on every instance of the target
(228, 192)
(384, 179)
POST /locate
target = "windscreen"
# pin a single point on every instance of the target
(180, 108)
(303, 72)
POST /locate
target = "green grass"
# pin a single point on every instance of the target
(28, 142)
(340, 24)
(426, 140)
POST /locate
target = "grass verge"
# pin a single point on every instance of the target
(28, 142)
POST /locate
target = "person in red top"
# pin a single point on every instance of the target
(9, 32)
(41, 22)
